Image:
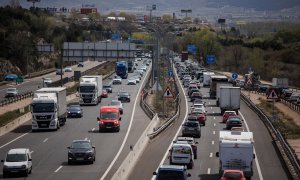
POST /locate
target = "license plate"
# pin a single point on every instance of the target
(14, 171)
(79, 159)
(191, 128)
(43, 125)
(108, 127)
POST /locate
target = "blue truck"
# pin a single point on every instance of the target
(122, 69)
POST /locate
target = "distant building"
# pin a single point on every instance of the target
(88, 10)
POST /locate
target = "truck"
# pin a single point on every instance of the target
(218, 90)
(281, 84)
(109, 118)
(184, 56)
(49, 108)
(252, 80)
(90, 90)
(229, 99)
(122, 69)
(214, 79)
(130, 66)
(236, 152)
(206, 78)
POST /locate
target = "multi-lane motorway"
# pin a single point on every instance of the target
(32, 84)
(267, 164)
(49, 149)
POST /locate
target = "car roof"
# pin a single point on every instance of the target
(186, 138)
(171, 167)
(75, 105)
(83, 140)
(18, 151)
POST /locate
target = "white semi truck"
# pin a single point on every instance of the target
(90, 90)
(206, 78)
(230, 98)
(236, 152)
(49, 108)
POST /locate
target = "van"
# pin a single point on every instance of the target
(17, 161)
(182, 154)
(109, 119)
(171, 172)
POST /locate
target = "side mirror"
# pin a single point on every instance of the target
(93, 147)
(154, 173)
(120, 119)
(30, 159)
(98, 119)
(217, 154)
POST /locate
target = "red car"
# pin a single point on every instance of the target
(227, 114)
(104, 94)
(201, 117)
(233, 175)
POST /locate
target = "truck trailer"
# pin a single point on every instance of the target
(236, 152)
(230, 98)
(214, 79)
(49, 108)
(90, 90)
(206, 78)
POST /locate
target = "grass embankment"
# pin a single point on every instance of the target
(285, 124)
(12, 115)
(165, 106)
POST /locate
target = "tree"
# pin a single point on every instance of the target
(237, 56)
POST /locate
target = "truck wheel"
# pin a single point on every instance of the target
(237, 112)
(217, 103)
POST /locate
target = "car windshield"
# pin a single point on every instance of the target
(106, 86)
(234, 119)
(123, 94)
(115, 103)
(11, 90)
(170, 175)
(191, 124)
(81, 145)
(16, 157)
(42, 107)
(74, 108)
(87, 89)
(181, 150)
(109, 115)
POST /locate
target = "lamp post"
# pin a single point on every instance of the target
(186, 11)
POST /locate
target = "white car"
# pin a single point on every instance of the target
(11, 92)
(117, 80)
(144, 68)
(117, 103)
(47, 81)
(132, 81)
(17, 161)
(140, 71)
(68, 69)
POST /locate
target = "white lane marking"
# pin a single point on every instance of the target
(210, 155)
(58, 169)
(14, 140)
(213, 142)
(214, 132)
(256, 158)
(45, 140)
(214, 117)
(93, 129)
(210, 107)
(31, 152)
(127, 133)
(214, 124)
(208, 171)
(167, 152)
(85, 138)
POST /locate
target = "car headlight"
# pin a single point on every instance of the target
(78, 112)
(23, 166)
(52, 123)
(5, 167)
(69, 112)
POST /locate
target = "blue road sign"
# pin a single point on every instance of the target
(191, 48)
(234, 75)
(115, 36)
(210, 59)
(170, 72)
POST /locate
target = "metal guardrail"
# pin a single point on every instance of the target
(16, 98)
(286, 151)
(39, 73)
(149, 112)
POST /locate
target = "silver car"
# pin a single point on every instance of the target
(118, 104)
(11, 92)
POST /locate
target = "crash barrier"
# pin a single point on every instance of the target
(292, 105)
(146, 108)
(39, 73)
(16, 98)
(135, 152)
(53, 84)
(288, 155)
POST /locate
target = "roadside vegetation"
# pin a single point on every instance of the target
(12, 115)
(285, 124)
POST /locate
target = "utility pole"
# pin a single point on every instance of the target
(61, 68)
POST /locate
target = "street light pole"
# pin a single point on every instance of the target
(61, 67)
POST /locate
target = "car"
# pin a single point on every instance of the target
(201, 117)
(137, 75)
(191, 128)
(191, 141)
(124, 96)
(17, 160)
(117, 80)
(183, 150)
(144, 68)
(171, 172)
(193, 89)
(229, 174)
(117, 103)
(294, 97)
(241, 83)
(196, 95)
(74, 111)
(198, 109)
(137, 78)
(141, 71)
(233, 121)
(132, 81)
(104, 93)
(11, 92)
(60, 72)
(68, 69)
(199, 101)
(47, 81)
(81, 151)
(227, 114)
(108, 88)
(263, 88)
(81, 64)
(10, 77)
(286, 94)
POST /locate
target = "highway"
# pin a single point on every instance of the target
(267, 164)
(33, 83)
(49, 149)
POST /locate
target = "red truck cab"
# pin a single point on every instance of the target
(109, 119)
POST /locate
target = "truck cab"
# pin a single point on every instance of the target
(90, 90)
(109, 118)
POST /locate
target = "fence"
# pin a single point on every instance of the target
(286, 151)
(16, 98)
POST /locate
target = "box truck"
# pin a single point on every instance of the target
(49, 108)
(206, 78)
(229, 99)
(90, 90)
